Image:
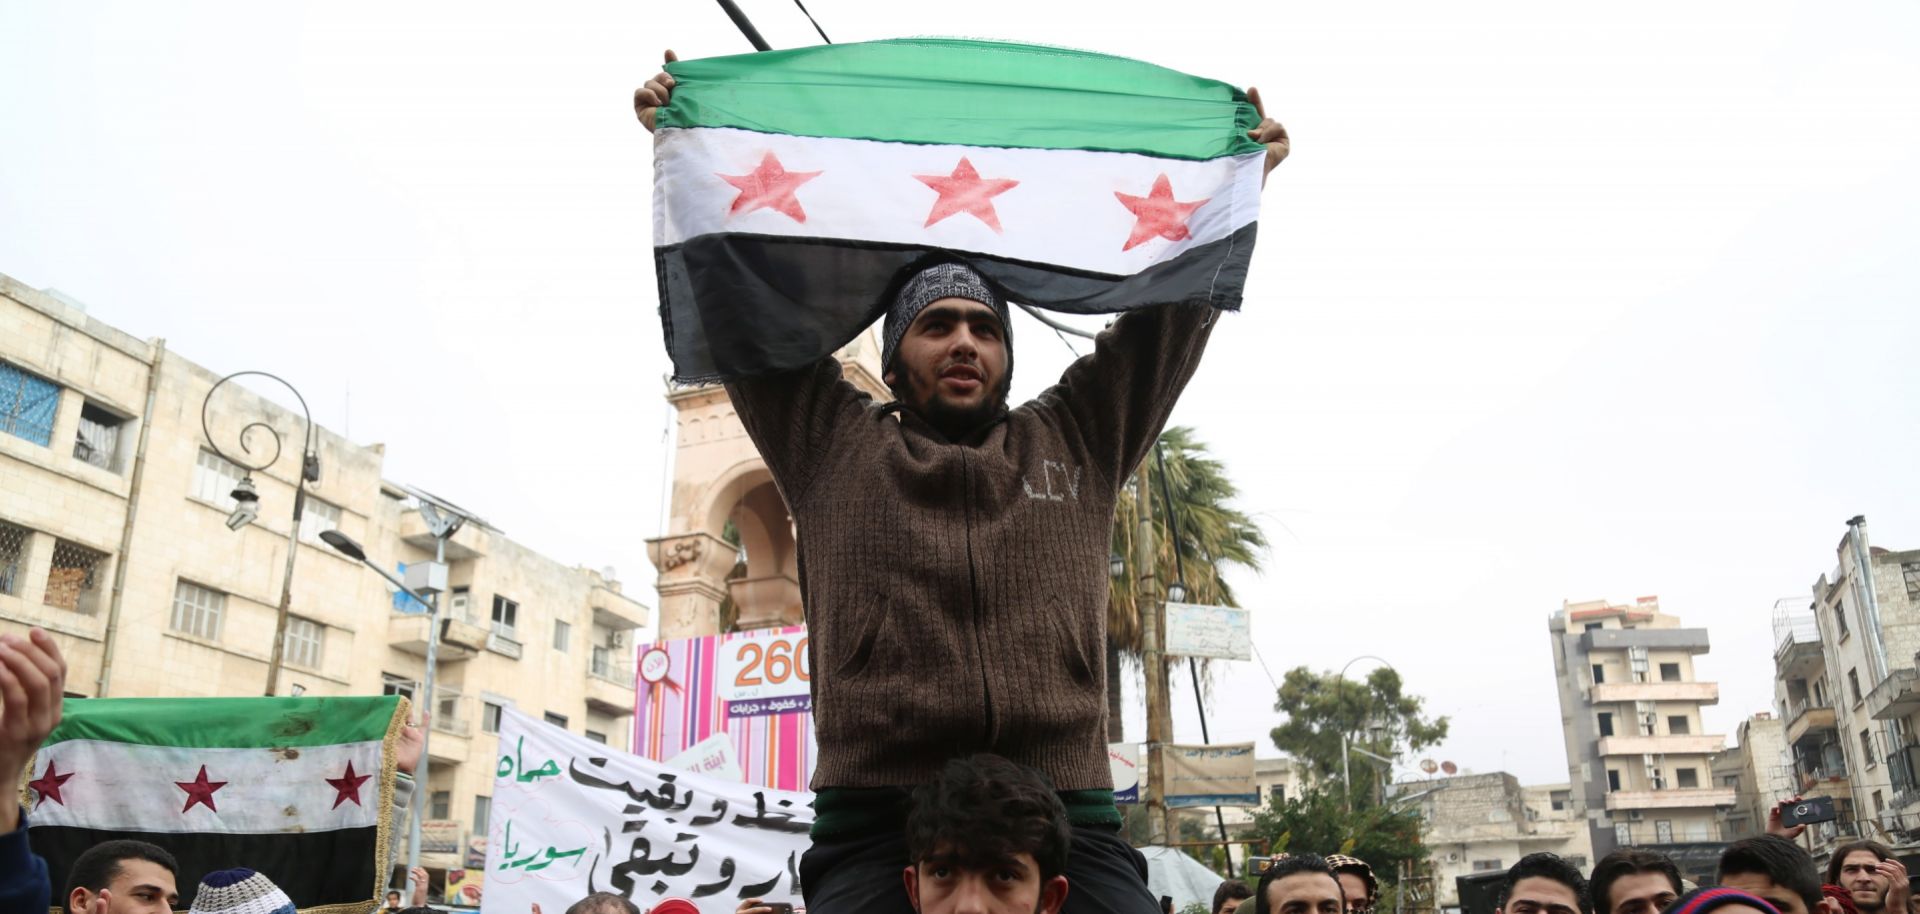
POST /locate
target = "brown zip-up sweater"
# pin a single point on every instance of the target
(956, 591)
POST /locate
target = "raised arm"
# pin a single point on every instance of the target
(791, 417)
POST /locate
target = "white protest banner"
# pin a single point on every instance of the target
(572, 816)
(1210, 776)
(1220, 632)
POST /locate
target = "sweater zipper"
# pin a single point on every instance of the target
(973, 598)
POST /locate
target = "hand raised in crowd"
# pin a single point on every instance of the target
(1899, 894)
(1270, 133)
(650, 97)
(1774, 825)
(33, 678)
(418, 876)
(753, 906)
(412, 742)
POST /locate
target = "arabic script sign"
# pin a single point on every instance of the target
(572, 816)
(1218, 775)
(1220, 632)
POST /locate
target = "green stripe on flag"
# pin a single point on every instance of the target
(227, 723)
(958, 91)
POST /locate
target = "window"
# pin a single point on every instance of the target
(1657, 777)
(1910, 571)
(505, 612)
(558, 720)
(597, 737)
(13, 548)
(1486, 866)
(1613, 780)
(304, 640)
(1277, 793)
(562, 635)
(1669, 672)
(73, 583)
(1599, 674)
(28, 403)
(482, 811)
(1686, 777)
(489, 717)
(1560, 798)
(396, 685)
(214, 478)
(317, 517)
(197, 610)
(98, 441)
(1879, 803)
(1840, 619)
(1866, 747)
(1853, 685)
(1730, 780)
(1622, 834)
(441, 805)
(447, 715)
(1606, 723)
(1677, 725)
(1663, 831)
(1594, 626)
(601, 662)
(459, 603)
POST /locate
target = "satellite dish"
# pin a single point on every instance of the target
(1450, 768)
(1427, 765)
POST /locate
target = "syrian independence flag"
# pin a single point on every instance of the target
(299, 789)
(795, 190)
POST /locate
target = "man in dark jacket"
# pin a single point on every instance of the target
(952, 558)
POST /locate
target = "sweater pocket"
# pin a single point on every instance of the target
(868, 627)
(1073, 646)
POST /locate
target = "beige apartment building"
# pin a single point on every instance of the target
(1759, 769)
(1638, 757)
(114, 536)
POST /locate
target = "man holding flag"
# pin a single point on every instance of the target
(953, 551)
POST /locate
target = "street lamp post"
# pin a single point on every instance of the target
(434, 581)
(247, 500)
(1346, 752)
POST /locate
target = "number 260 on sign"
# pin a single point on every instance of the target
(775, 666)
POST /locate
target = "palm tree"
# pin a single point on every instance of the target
(1213, 536)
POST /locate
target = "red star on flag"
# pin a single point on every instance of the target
(965, 191)
(348, 786)
(1158, 215)
(48, 786)
(200, 790)
(770, 186)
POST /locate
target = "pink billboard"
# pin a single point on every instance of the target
(750, 686)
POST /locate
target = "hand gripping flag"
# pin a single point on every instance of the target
(794, 190)
(300, 789)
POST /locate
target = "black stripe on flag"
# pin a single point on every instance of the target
(737, 305)
(313, 868)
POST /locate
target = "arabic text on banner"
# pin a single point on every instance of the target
(572, 816)
(1220, 775)
(1220, 632)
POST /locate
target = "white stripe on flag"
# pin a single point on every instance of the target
(1063, 212)
(129, 787)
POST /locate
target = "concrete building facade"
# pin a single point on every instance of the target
(1759, 770)
(1846, 685)
(1638, 757)
(114, 537)
(1484, 823)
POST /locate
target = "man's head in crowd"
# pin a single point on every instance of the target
(603, 903)
(1856, 868)
(1357, 882)
(987, 835)
(1778, 871)
(1299, 884)
(393, 899)
(1720, 900)
(1634, 881)
(947, 349)
(137, 878)
(1544, 884)
(1227, 898)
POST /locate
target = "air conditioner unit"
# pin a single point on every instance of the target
(1453, 857)
(1633, 815)
(617, 639)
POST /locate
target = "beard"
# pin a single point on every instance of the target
(950, 419)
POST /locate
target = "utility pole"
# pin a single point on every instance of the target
(1152, 627)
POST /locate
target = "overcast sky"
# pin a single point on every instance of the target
(1551, 302)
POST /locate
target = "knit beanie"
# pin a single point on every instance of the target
(240, 891)
(942, 280)
(1700, 901)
